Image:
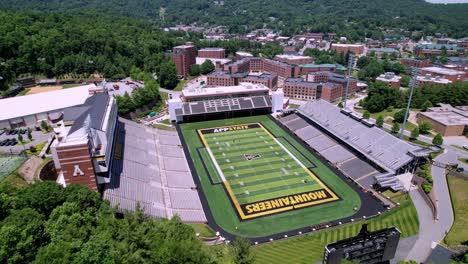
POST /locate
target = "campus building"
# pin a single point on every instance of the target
(428, 80)
(446, 119)
(256, 64)
(30, 110)
(390, 78)
(357, 49)
(184, 56)
(444, 73)
(245, 99)
(294, 59)
(222, 78)
(414, 63)
(308, 68)
(437, 49)
(84, 142)
(212, 53)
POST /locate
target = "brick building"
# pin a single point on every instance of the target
(184, 56)
(390, 79)
(334, 78)
(232, 79)
(357, 49)
(437, 49)
(242, 54)
(212, 53)
(444, 73)
(84, 145)
(256, 64)
(446, 119)
(332, 92)
(294, 59)
(298, 88)
(416, 63)
(319, 76)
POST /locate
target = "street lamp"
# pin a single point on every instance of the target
(350, 66)
(414, 79)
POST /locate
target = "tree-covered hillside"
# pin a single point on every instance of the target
(356, 18)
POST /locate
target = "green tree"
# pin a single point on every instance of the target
(22, 234)
(168, 75)
(366, 115)
(379, 121)
(438, 140)
(194, 70)
(44, 125)
(415, 133)
(270, 50)
(30, 137)
(207, 67)
(405, 80)
(125, 104)
(399, 116)
(395, 128)
(241, 252)
(425, 127)
(427, 104)
(340, 104)
(20, 138)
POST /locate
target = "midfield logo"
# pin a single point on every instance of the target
(252, 156)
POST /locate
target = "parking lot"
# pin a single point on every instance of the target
(9, 141)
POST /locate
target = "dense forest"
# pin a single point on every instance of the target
(354, 18)
(46, 223)
(60, 44)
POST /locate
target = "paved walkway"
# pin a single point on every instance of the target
(38, 137)
(430, 230)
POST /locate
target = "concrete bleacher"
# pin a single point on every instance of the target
(381, 147)
(152, 171)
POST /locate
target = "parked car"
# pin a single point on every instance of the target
(2, 132)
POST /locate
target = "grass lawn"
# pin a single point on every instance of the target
(71, 85)
(180, 85)
(220, 204)
(203, 230)
(24, 92)
(164, 127)
(15, 179)
(463, 160)
(384, 113)
(166, 121)
(459, 147)
(309, 248)
(38, 149)
(459, 195)
(294, 106)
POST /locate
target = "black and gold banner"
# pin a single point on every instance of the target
(229, 128)
(286, 203)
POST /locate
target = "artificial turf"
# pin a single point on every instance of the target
(219, 202)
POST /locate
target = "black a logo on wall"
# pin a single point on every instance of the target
(252, 156)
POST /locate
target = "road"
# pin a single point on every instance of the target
(429, 230)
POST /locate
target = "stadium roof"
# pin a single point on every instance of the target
(20, 106)
(224, 105)
(379, 146)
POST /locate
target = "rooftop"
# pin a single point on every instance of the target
(212, 49)
(447, 115)
(223, 90)
(438, 46)
(443, 71)
(346, 45)
(20, 106)
(428, 78)
(292, 57)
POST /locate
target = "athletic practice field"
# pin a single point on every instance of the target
(258, 180)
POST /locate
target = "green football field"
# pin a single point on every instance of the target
(258, 180)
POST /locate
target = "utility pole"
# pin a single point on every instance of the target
(350, 67)
(414, 80)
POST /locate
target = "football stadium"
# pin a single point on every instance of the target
(256, 179)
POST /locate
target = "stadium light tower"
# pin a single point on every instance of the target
(350, 67)
(414, 80)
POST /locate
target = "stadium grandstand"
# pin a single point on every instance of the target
(150, 168)
(245, 99)
(363, 152)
